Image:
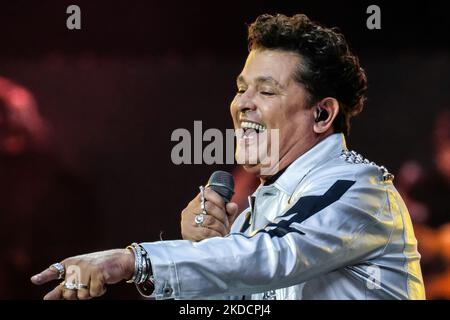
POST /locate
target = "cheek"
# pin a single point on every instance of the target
(270, 114)
(295, 127)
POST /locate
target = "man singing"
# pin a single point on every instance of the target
(328, 224)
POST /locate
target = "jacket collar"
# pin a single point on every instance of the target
(331, 147)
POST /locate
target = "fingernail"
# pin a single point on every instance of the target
(35, 278)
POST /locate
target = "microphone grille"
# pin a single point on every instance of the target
(222, 182)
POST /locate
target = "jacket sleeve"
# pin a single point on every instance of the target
(301, 244)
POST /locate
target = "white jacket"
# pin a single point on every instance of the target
(332, 226)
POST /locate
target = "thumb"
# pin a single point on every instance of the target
(232, 211)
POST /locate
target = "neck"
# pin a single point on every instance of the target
(293, 154)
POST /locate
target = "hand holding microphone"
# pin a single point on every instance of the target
(220, 212)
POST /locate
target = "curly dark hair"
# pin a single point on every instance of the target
(328, 68)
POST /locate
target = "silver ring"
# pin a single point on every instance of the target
(59, 267)
(82, 286)
(199, 218)
(70, 286)
(74, 286)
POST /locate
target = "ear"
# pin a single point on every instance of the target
(331, 105)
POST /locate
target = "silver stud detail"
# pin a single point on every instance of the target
(356, 158)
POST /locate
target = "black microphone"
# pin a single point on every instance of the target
(222, 182)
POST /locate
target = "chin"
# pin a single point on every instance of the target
(252, 168)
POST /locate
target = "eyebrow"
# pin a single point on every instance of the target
(261, 80)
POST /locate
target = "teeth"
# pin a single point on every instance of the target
(252, 125)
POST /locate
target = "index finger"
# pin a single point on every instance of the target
(214, 197)
(45, 276)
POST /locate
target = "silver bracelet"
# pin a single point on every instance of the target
(137, 262)
(144, 271)
(142, 266)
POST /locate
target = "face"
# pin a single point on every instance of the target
(268, 98)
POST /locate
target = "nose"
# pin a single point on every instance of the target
(245, 103)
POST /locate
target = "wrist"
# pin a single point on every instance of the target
(129, 264)
(142, 269)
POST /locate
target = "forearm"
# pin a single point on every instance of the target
(234, 265)
(238, 265)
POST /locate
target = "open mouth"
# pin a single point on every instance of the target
(252, 127)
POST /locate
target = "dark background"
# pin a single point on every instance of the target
(115, 90)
